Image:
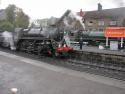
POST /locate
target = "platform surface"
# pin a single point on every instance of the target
(97, 50)
(36, 77)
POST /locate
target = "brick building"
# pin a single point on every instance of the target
(99, 19)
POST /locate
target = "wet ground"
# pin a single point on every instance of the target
(36, 77)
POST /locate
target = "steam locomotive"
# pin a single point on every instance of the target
(49, 41)
(44, 41)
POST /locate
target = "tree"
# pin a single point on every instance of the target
(17, 17)
(21, 20)
(10, 11)
(6, 26)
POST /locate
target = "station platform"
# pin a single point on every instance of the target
(103, 51)
(94, 54)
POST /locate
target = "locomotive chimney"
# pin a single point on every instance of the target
(99, 7)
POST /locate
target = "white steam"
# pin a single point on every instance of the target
(8, 40)
(65, 21)
(119, 3)
(78, 18)
(70, 20)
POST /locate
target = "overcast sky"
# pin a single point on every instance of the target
(38, 9)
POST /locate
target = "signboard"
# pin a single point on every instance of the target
(116, 32)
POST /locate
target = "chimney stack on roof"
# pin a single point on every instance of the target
(81, 13)
(99, 7)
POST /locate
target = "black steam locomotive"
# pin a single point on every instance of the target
(49, 41)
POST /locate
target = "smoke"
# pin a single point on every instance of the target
(8, 40)
(78, 18)
(65, 21)
(70, 20)
(119, 3)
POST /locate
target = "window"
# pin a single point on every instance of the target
(90, 23)
(90, 29)
(100, 28)
(113, 22)
(100, 23)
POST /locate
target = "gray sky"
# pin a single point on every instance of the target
(38, 9)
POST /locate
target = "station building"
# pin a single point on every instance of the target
(98, 19)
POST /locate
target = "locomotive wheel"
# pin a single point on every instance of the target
(20, 46)
(39, 50)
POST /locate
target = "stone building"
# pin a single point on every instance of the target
(3, 15)
(99, 19)
(41, 23)
(44, 23)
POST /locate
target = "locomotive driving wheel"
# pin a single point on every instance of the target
(21, 46)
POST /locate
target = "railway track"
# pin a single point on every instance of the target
(111, 71)
(107, 70)
(100, 65)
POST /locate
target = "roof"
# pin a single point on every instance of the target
(115, 12)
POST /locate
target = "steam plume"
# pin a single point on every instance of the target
(119, 3)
